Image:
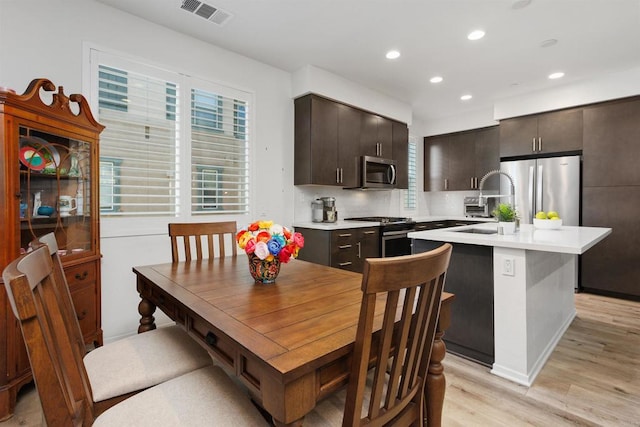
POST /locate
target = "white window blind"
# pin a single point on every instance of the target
(219, 154)
(410, 194)
(140, 116)
(173, 145)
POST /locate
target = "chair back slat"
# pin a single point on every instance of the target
(55, 359)
(61, 289)
(189, 237)
(413, 287)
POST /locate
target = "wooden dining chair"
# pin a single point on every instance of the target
(201, 397)
(391, 392)
(201, 235)
(124, 367)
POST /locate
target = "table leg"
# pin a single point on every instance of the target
(146, 309)
(436, 383)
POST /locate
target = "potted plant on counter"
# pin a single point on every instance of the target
(506, 216)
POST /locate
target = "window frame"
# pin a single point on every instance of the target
(149, 225)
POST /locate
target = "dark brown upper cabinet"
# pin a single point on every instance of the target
(400, 153)
(326, 142)
(458, 161)
(553, 132)
(612, 144)
(330, 137)
(376, 136)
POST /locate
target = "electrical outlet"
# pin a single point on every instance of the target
(508, 266)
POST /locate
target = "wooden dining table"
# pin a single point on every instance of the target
(289, 342)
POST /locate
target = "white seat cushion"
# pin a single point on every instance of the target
(143, 360)
(205, 397)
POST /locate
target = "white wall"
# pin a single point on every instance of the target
(46, 38)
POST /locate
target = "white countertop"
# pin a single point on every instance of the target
(340, 224)
(566, 239)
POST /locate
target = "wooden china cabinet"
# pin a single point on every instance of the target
(49, 183)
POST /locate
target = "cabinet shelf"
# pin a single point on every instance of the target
(50, 176)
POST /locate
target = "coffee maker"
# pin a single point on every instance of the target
(329, 213)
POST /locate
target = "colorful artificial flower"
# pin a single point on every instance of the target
(268, 241)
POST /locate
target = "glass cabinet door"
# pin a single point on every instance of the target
(55, 189)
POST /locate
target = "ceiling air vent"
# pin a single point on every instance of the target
(206, 11)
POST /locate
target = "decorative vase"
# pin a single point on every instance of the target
(508, 227)
(263, 271)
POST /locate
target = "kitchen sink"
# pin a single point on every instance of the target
(477, 231)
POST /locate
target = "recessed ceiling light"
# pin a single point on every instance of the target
(556, 75)
(393, 54)
(476, 35)
(548, 43)
(435, 79)
(466, 97)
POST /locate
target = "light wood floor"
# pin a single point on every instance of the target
(591, 379)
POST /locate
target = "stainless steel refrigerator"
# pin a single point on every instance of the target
(545, 184)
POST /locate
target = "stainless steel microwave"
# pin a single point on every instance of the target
(377, 173)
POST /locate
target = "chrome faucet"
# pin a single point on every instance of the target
(511, 195)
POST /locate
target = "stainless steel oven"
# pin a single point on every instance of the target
(393, 234)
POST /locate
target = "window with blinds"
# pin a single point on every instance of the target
(410, 194)
(165, 142)
(140, 137)
(219, 154)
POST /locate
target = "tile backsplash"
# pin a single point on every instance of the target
(355, 203)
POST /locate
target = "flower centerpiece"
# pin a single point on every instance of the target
(268, 245)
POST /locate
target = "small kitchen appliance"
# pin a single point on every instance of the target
(317, 211)
(472, 207)
(329, 213)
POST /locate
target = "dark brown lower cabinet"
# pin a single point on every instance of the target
(344, 248)
(470, 278)
(612, 267)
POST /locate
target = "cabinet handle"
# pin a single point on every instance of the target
(539, 143)
(344, 246)
(338, 175)
(344, 235)
(359, 252)
(82, 276)
(344, 264)
(82, 315)
(533, 144)
(446, 184)
(211, 339)
(341, 176)
(370, 232)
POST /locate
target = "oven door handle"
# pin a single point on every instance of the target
(394, 234)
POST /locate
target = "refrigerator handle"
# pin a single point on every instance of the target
(539, 206)
(530, 193)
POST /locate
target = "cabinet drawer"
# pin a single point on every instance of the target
(84, 301)
(79, 275)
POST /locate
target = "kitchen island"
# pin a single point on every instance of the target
(533, 273)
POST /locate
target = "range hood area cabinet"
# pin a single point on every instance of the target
(330, 137)
(458, 161)
(539, 134)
